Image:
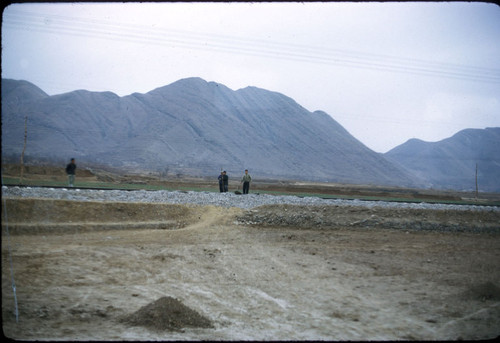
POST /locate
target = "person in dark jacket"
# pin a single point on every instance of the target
(225, 181)
(221, 182)
(70, 170)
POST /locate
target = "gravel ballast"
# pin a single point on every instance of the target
(247, 201)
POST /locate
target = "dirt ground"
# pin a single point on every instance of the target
(124, 271)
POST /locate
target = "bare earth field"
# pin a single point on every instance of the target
(137, 271)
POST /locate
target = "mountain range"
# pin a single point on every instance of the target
(453, 163)
(195, 127)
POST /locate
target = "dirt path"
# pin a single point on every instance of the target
(258, 282)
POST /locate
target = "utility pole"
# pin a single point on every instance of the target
(24, 148)
(476, 182)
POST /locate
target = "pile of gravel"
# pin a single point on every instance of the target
(245, 201)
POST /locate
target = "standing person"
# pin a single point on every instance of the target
(221, 182)
(70, 170)
(225, 181)
(246, 182)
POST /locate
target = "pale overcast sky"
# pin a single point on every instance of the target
(387, 72)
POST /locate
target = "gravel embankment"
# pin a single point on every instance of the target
(216, 199)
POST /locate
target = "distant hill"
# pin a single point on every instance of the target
(451, 163)
(193, 127)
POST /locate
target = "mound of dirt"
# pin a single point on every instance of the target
(335, 217)
(167, 313)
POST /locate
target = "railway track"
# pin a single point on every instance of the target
(359, 197)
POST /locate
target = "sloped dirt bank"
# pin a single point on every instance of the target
(45, 216)
(271, 273)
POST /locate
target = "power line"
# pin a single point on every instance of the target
(247, 46)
